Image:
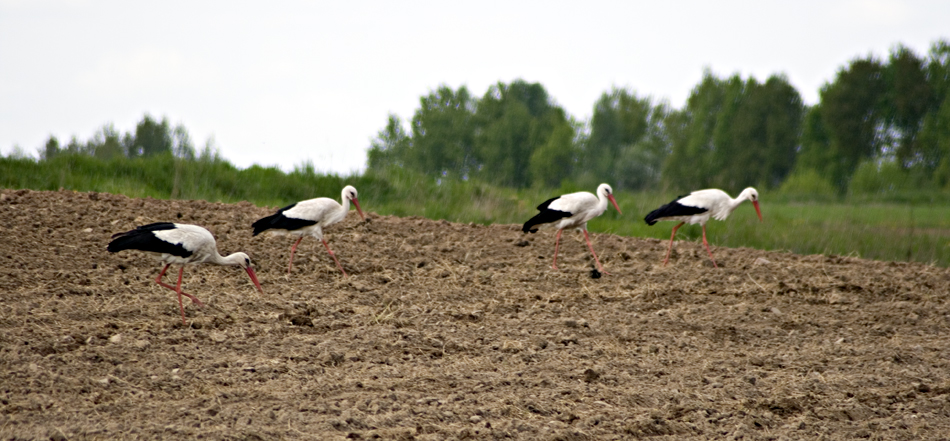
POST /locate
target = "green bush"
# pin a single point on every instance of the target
(808, 185)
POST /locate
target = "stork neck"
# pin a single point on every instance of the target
(601, 202)
(735, 202)
(345, 203)
(231, 259)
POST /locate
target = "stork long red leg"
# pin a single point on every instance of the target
(670, 250)
(557, 241)
(165, 285)
(334, 257)
(292, 250)
(599, 266)
(707, 248)
(181, 306)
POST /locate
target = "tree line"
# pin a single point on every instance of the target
(150, 138)
(879, 123)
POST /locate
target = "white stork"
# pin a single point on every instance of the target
(309, 218)
(573, 211)
(182, 244)
(697, 207)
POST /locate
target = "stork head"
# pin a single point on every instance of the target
(240, 259)
(752, 195)
(244, 261)
(349, 192)
(605, 191)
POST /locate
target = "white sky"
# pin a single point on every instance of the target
(283, 82)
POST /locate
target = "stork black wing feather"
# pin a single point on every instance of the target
(673, 209)
(278, 221)
(546, 216)
(143, 238)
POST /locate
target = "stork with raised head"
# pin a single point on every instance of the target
(179, 244)
(697, 207)
(309, 218)
(573, 211)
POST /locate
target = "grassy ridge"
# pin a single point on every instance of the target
(886, 231)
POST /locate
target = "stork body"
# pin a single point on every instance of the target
(697, 208)
(181, 244)
(309, 218)
(572, 211)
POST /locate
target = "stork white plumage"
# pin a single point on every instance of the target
(179, 244)
(697, 207)
(573, 211)
(309, 218)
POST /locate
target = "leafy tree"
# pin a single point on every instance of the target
(50, 149)
(851, 119)
(639, 165)
(390, 146)
(75, 147)
(554, 161)
(151, 138)
(938, 70)
(182, 147)
(626, 146)
(690, 164)
(105, 143)
(210, 152)
(816, 154)
(934, 138)
(734, 133)
(513, 121)
(908, 99)
(442, 134)
(756, 135)
(934, 142)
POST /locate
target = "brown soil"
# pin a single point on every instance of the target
(453, 331)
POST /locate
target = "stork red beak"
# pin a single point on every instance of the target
(357, 203)
(250, 273)
(614, 201)
(757, 211)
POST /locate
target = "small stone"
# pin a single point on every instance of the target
(591, 375)
(301, 320)
(116, 339)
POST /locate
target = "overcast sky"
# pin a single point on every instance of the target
(283, 82)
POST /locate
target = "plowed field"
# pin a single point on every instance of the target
(453, 331)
